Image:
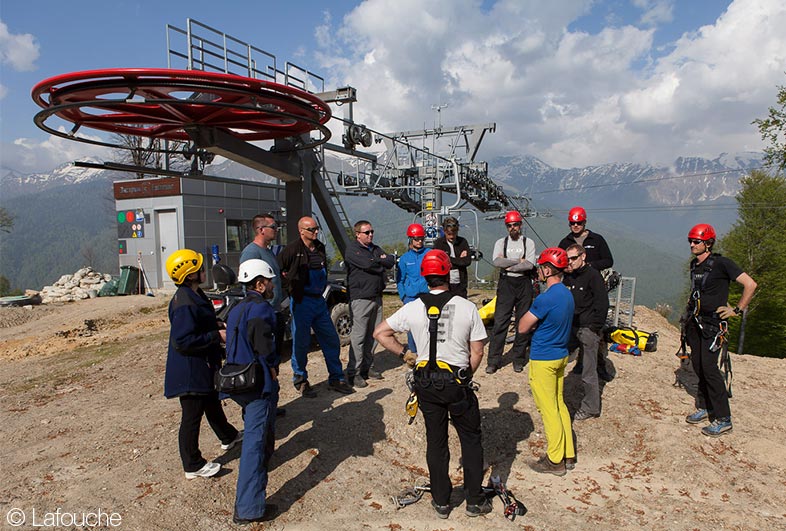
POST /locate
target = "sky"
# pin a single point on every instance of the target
(572, 82)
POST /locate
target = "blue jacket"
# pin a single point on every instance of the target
(408, 280)
(250, 335)
(194, 353)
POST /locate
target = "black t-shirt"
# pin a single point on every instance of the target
(715, 291)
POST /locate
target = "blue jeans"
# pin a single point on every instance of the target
(312, 313)
(258, 443)
(410, 340)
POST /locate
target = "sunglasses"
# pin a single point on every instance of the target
(694, 241)
(515, 224)
(576, 222)
(574, 258)
(312, 230)
(366, 232)
(274, 227)
(417, 238)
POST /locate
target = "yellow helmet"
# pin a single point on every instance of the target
(182, 263)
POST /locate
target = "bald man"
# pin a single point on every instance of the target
(304, 272)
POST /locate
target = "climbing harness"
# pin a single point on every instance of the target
(721, 342)
(511, 507)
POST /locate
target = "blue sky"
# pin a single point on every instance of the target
(573, 82)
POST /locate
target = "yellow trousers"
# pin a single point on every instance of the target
(546, 379)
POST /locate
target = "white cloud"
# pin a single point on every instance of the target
(565, 95)
(3, 91)
(20, 51)
(30, 156)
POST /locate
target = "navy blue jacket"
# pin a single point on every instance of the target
(250, 336)
(194, 353)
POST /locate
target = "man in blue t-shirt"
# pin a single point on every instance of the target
(552, 311)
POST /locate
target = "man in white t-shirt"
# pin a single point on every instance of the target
(443, 370)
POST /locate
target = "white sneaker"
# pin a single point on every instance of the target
(230, 445)
(210, 469)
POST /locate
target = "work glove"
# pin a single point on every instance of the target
(410, 358)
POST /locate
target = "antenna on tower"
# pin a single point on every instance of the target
(439, 108)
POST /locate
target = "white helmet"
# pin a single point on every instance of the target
(251, 269)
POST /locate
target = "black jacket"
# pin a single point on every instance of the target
(591, 300)
(293, 262)
(366, 270)
(598, 253)
(461, 264)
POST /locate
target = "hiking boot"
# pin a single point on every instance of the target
(228, 446)
(477, 510)
(518, 367)
(491, 369)
(605, 375)
(271, 511)
(305, 389)
(374, 375)
(342, 387)
(545, 466)
(570, 463)
(358, 381)
(442, 510)
(209, 469)
(697, 416)
(717, 427)
(583, 415)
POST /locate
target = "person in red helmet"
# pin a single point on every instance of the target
(514, 255)
(458, 250)
(552, 311)
(450, 335)
(599, 257)
(409, 281)
(705, 320)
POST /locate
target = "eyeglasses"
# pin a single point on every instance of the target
(312, 230)
(576, 222)
(514, 224)
(366, 232)
(274, 227)
(574, 258)
(694, 241)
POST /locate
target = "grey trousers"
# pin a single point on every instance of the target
(589, 342)
(366, 315)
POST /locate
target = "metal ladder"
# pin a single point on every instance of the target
(334, 197)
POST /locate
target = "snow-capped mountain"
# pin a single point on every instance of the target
(13, 183)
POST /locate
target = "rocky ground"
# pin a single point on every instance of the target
(85, 428)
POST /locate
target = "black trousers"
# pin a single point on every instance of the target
(436, 401)
(513, 293)
(712, 394)
(193, 407)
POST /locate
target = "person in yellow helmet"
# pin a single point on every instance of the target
(193, 357)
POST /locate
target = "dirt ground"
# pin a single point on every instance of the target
(85, 428)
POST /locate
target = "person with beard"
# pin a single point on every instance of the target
(457, 249)
(250, 339)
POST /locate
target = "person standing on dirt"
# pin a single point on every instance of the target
(303, 266)
(706, 323)
(514, 255)
(591, 304)
(367, 265)
(552, 312)
(265, 233)
(598, 255)
(193, 356)
(409, 281)
(443, 371)
(457, 249)
(250, 339)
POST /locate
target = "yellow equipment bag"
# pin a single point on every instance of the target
(487, 312)
(646, 341)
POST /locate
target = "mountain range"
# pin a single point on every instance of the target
(66, 217)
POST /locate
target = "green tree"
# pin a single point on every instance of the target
(773, 131)
(6, 220)
(756, 244)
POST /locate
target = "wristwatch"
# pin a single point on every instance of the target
(406, 349)
(737, 310)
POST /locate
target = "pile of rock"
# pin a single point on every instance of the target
(84, 284)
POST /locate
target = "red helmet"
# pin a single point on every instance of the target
(577, 214)
(416, 230)
(554, 256)
(702, 232)
(435, 262)
(512, 217)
